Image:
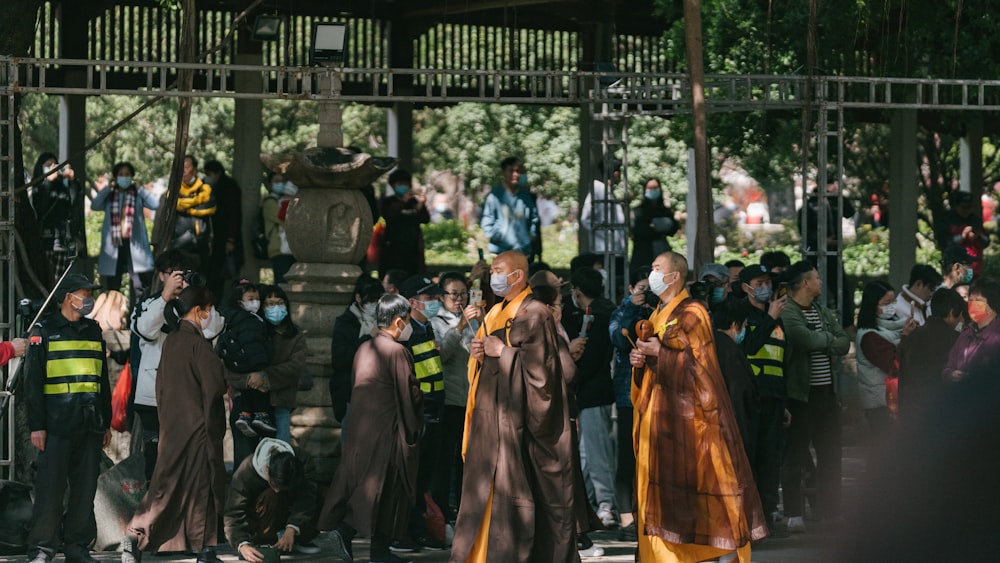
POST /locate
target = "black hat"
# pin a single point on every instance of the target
(752, 272)
(396, 276)
(955, 254)
(74, 282)
(961, 198)
(419, 285)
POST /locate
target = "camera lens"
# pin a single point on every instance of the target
(194, 278)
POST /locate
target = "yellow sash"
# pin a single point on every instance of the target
(496, 319)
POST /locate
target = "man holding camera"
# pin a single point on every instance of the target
(173, 270)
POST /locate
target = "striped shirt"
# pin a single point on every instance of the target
(821, 372)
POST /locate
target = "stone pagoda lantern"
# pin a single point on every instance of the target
(329, 227)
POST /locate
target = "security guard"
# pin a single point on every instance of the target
(425, 303)
(764, 346)
(68, 399)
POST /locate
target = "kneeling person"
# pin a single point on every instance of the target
(272, 500)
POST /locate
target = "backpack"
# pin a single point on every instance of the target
(260, 237)
(243, 346)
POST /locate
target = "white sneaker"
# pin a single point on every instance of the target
(796, 525)
(592, 551)
(606, 514)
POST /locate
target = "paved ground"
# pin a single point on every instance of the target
(799, 548)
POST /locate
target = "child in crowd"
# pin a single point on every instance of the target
(245, 350)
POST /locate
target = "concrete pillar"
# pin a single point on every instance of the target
(903, 185)
(400, 126)
(246, 170)
(971, 151)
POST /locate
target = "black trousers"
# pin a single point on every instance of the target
(150, 436)
(816, 422)
(448, 479)
(766, 442)
(73, 461)
(625, 475)
(429, 470)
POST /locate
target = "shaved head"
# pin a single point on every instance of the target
(508, 263)
(678, 263)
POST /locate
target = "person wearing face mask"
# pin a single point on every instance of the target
(124, 240)
(227, 222)
(517, 442)
(453, 326)
(586, 318)
(373, 491)
(924, 353)
(980, 342)
(354, 326)
(652, 223)
(764, 346)
(58, 201)
(685, 434)
(273, 209)
(245, 350)
(183, 506)
(879, 333)
(716, 278)
(404, 210)
(282, 377)
(729, 319)
(196, 205)
(149, 331)
(510, 215)
(425, 304)
(68, 399)
(956, 266)
(914, 298)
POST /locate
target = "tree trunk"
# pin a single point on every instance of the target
(704, 248)
(17, 38)
(163, 229)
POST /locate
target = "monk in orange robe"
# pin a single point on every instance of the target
(517, 487)
(695, 490)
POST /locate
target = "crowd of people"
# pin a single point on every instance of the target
(504, 412)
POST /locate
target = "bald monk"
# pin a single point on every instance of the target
(694, 487)
(517, 490)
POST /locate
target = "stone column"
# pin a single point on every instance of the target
(329, 226)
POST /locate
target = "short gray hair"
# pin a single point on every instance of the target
(389, 307)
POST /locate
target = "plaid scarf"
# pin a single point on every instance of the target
(122, 206)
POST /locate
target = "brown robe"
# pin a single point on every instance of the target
(186, 496)
(519, 448)
(374, 488)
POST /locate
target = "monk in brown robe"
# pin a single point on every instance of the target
(517, 491)
(375, 485)
(694, 487)
(184, 505)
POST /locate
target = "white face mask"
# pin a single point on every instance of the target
(406, 333)
(888, 311)
(656, 283)
(213, 325)
(251, 306)
(368, 310)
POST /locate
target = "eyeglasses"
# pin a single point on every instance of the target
(457, 294)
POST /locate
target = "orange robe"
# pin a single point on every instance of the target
(695, 491)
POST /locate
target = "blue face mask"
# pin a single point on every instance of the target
(522, 180)
(275, 313)
(967, 277)
(654, 194)
(401, 190)
(124, 181)
(432, 308)
(741, 335)
(718, 294)
(278, 187)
